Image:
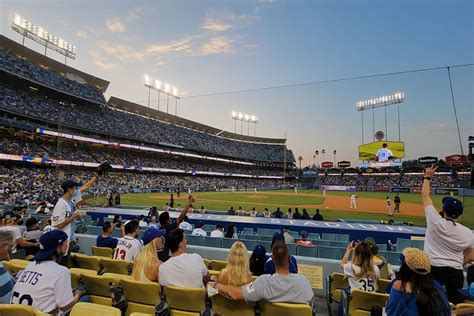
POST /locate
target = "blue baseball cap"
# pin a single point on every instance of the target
(48, 243)
(452, 207)
(259, 253)
(70, 183)
(277, 236)
(152, 233)
(9, 214)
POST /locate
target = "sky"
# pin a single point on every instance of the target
(210, 47)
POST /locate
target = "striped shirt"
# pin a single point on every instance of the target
(6, 285)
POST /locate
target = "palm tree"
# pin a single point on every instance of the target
(300, 159)
(334, 152)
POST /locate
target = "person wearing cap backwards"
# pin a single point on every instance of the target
(146, 264)
(446, 239)
(414, 292)
(64, 212)
(45, 284)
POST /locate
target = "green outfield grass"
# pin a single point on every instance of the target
(224, 200)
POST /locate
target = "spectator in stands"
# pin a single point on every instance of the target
(218, 232)
(240, 211)
(317, 216)
(154, 222)
(303, 241)
(41, 209)
(117, 198)
(253, 212)
(128, 247)
(198, 231)
(257, 260)
(182, 269)
(117, 221)
(202, 210)
(142, 223)
(446, 239)
(230, 233)
(18, 222)
(237, 271)
(414, 292)
(184, 225)
(6, 280)
(281, 287)
(231, 211)
(305, 215)
(50, 288)
(153, 212)
(33, 232)
(296, 214)
(266, 213)
(289, 215)
(379, 260)
(270, 265)
(278, 213)
(286, 234)
(166, 208)
(105, 239)
(146, 264)
(168, 225)
(18, 240)
(361, 272)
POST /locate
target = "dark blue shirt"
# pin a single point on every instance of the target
(110, 242)
(271, 269)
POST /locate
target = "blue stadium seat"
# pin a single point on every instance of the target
(342, 252)
(328, 236)
(117, 233)
(393, 257)
(195, 240)
(262, 232)
(403, 243)
(321, 242)
(94, 230)
(208, 228)
(307, 251)
(228, 242)
(382, 253)
(342, 237)
(267, 245)
(382, 247)
(292, 248)
(248, 231)
(250, 244)
(248, 237)
(340, 244)
(420, 244)
(213, 242)
(314, 236)
(328, 252)
(265, 238)
(88, 220)
(294, 234)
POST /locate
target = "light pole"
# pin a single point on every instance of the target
(167, 89)
(334, 152)
(316, 152)
(324, 153)
(250, 119)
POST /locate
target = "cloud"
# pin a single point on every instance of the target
(216, 45)
(211, 25)
(131, 16)
(103, 62)
(115, 25)
(266, 1)
(82, 34)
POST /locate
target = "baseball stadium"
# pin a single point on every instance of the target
(122, 193)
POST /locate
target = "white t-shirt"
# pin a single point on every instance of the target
(185, 270)
(445, 241)
(62, 210)
(16, 233)
(199, 232)
(217, 233)
(127, 248)
(45, 285)
(185, 226)
(353, 197)
(383, 154)
(364, 283)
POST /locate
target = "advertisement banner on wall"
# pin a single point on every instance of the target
(343, 164)
(428, 160)
(446, 191)
(456, 159)
(327, 164)
(400, 190)
(337, 188)
(381, 189)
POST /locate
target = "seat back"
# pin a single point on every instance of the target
(195, 240)
(272, 309)
(15, 265)
(329, 236)
(314, 236)
(393, 257)
(228, 242)
(465, 306)
(363, 300)
(328, 252)
(403, 243)
(250, 244)
(248, 231)
(248, 237)
(382, 285)
(339, 244)
(19, 310)
(218, 265)
(213, 242)
(105, 252)
(336, 283)
(98, 287)
(343, 238)
(91, 309)
(382, 247)
(223, 306)
(262, 231)
(420, 244)
(265, 238)
(307, 251)
(185, 299)
(94, 230)
(87, 262)
(115, 266)
(292, 249)
(141, 296)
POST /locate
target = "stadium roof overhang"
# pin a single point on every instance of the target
(46, 62)
(131, 107)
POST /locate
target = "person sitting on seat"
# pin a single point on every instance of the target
(6, 280)
(33, 232)
(184, 225)
(257, 260)
(317, 216)
(305, 215)
(286, 234)
(304, 239)
(106, 239)
(283, 286)
(230, 233)
(270, 265)
(146, 264)
(361, 272)
(198, 231)
(237, 271)
(218, 232)
(128, 247)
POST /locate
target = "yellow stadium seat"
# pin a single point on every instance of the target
(17, 310)
(141, 296)
(115, 266)
(175, 312)
(87, 262)
(271, 309)
(214, 273)
(142, 314)
(76, 275)
(361, 302)
(207, 262)
(98, 287)
(334, 285)
(105, 252)
(218, 265)
(382, 285)
(464, 306)
(185, 299)
(15, 265)
(91, 309)
(223, 306)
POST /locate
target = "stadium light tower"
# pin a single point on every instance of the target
(43, 37)
(384, 101)
(250, 119)
(165, 88)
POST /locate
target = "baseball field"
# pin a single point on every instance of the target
(336, 204)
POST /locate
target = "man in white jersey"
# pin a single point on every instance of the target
(128, 247)
(384, 154)
(447, 241)
(64, 212)
(353, 201)
(389, 207)
(45, 284)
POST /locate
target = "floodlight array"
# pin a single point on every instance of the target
(162, 87)
(398, 97)
(239, 116)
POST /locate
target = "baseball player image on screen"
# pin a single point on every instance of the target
(384, 154)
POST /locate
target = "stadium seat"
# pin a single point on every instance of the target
(19, 310)
(420, 244)
(227, 242)
(360, 302)
(382, 247)
(15, 265)
(214, 272)
(314, 236)
(328, 252)
(338, 244)
(248, 237)
(272, 309)
(223, 306)
(141, 296)
(248, 231)
(292, 249)
(393, 257)
(94, 230)
(403, 243)
(334, 285)
(464, 306)
(307, 251)
(262, 232)
(342, 238)
(98, 288)
(76, 274)
(382, 285)
(185, 299)
(87, 262)
(320, 242)
(265, 238)
(91, 309)
(116, 266)
(294, 234)
(105, 252)
(206, 262)
(328, 236)
(88, 220)
(195, 240)
(213, 242)
(218, 265)
(342, 252)
(208, 228)
(250, 244)
(117, 232)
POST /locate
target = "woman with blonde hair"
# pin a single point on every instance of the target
(237, 271)
(146, 265)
